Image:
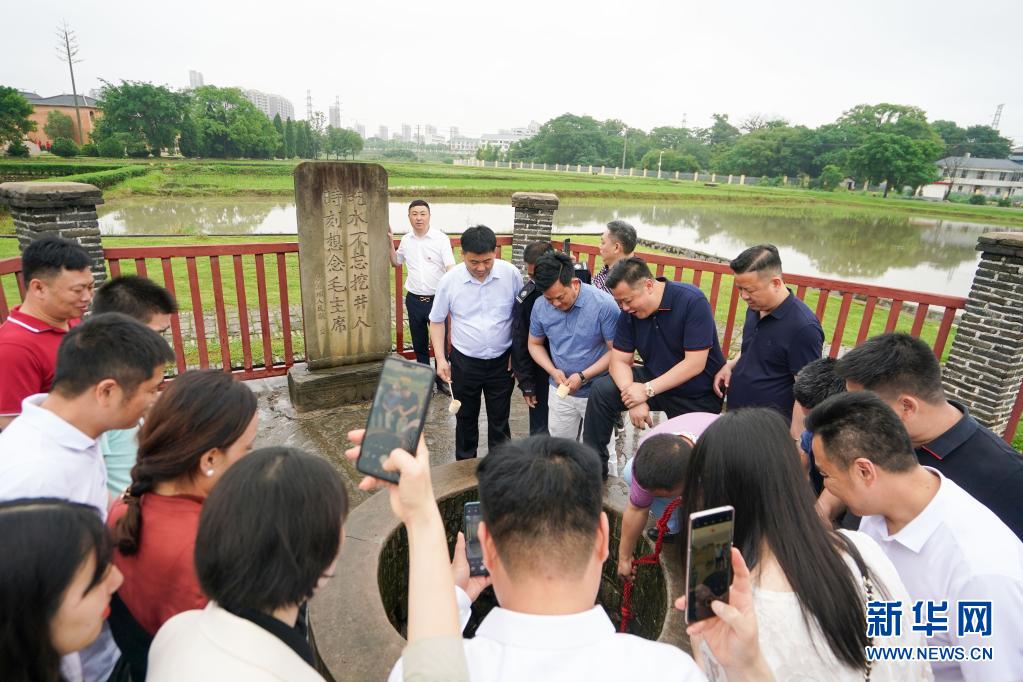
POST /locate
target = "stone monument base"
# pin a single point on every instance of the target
(316, 389)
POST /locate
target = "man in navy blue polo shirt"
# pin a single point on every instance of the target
(671, 326)
(903, 371)
(780, 336)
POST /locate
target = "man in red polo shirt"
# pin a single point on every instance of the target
(58, 289)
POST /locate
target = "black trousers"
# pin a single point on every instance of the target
(538, 414)
(471, 378)
(418, 308)
(605, 404)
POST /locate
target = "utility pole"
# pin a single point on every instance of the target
(67, 50)
(309, 106)
(625, 146)
(659, 157)
(997, 120)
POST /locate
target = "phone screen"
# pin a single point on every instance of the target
(473, 550)
(709, 561)
(396, 418)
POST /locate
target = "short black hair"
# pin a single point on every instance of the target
(632, 270)
(48, 255)
(662, 461)
(623, 233)
(269, 529)
(553, 267)
(134, 296)
(541, 499)
(418, 202)
(760, 258)
(859, 424)
(534, 250)
(892, 364)
(478, 239)
(817, 382)
(108, 346)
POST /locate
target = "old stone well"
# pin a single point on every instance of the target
(358, 619)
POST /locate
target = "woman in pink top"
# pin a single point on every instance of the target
(202, 424)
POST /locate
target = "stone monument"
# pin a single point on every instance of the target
(345, 273)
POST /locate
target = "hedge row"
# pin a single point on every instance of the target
(14, 169)
(108, 178)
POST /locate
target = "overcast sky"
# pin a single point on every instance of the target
(488, 65)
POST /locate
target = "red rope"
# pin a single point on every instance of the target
(653, 558)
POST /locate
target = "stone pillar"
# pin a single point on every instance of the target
(985, 366)
(534, 218)
(65, 209)
(742, 179)
(345, 276)
(729, 178)
(713, 177)
(696, 176)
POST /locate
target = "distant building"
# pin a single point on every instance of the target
(406, 132)
(270, 104)
(88, 107)
(464, 144)
(1016, 155)
(195, 79)
(453, 132)
(382, 132)
(361, 129)
(335, 115)
(990, 177)
(503, 139)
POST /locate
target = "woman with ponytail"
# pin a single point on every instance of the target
(202, 424)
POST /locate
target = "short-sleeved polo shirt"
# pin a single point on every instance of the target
(774, 348)
(579, 336)
(982, 464)
(683, 322)
(28, 347)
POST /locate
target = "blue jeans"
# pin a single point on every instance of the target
(659, 503)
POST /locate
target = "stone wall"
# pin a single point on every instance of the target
(534, 218)
(65, 209)
(985, 366)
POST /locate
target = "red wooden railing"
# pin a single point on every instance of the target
(184, 270)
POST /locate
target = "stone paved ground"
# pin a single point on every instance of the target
(324, 431)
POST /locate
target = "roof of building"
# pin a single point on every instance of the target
(970, 162)
(63, 100)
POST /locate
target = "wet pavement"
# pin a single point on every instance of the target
(324, 432)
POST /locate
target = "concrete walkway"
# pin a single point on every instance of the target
(324, 432)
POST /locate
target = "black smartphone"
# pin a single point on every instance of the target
(473, 549)
(397, 416)
(708, 560)
(566, 247)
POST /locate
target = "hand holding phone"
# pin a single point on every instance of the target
(473, 549)
(708, 561)
(397, 416)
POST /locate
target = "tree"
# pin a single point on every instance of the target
(289, 139)
(831, 176)
(771, 151)
(62, 146)
(342, 143)
(279, 127)
(59, 125)
(188, 140)
(670, 161)
(14, 116)
(230, 126)
(721, 133)
(111, 147)
(985, 142)
(143, 110)
(896, 160)
(303, 143)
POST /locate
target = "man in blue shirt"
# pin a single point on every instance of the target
(671, 326)
(780, 336)
(479, 295)
(579, 321)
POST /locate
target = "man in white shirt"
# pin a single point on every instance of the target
(108, 371)
(962, 566)
(479, 296)
(427, 255)
(545, 537)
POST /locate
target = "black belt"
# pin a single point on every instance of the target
(424, 299)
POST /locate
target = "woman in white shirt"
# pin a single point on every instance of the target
(810, 583)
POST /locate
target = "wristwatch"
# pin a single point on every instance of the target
(582, 378)
(649, 390)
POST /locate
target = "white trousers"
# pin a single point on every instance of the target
(565, 420)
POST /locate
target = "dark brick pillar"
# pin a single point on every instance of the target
(66, 209)
(985, 366)
(534, 217)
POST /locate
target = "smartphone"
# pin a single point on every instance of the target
(566, 247)
(473, 549)
(397, 416)
(708, 560)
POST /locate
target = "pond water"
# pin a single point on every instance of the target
(923, 254)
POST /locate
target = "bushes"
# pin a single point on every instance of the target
(64, 147)
(89, 149)
(111, 147)
(108, 178)
(978, 199)
(17, 150)
(1005, 202)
